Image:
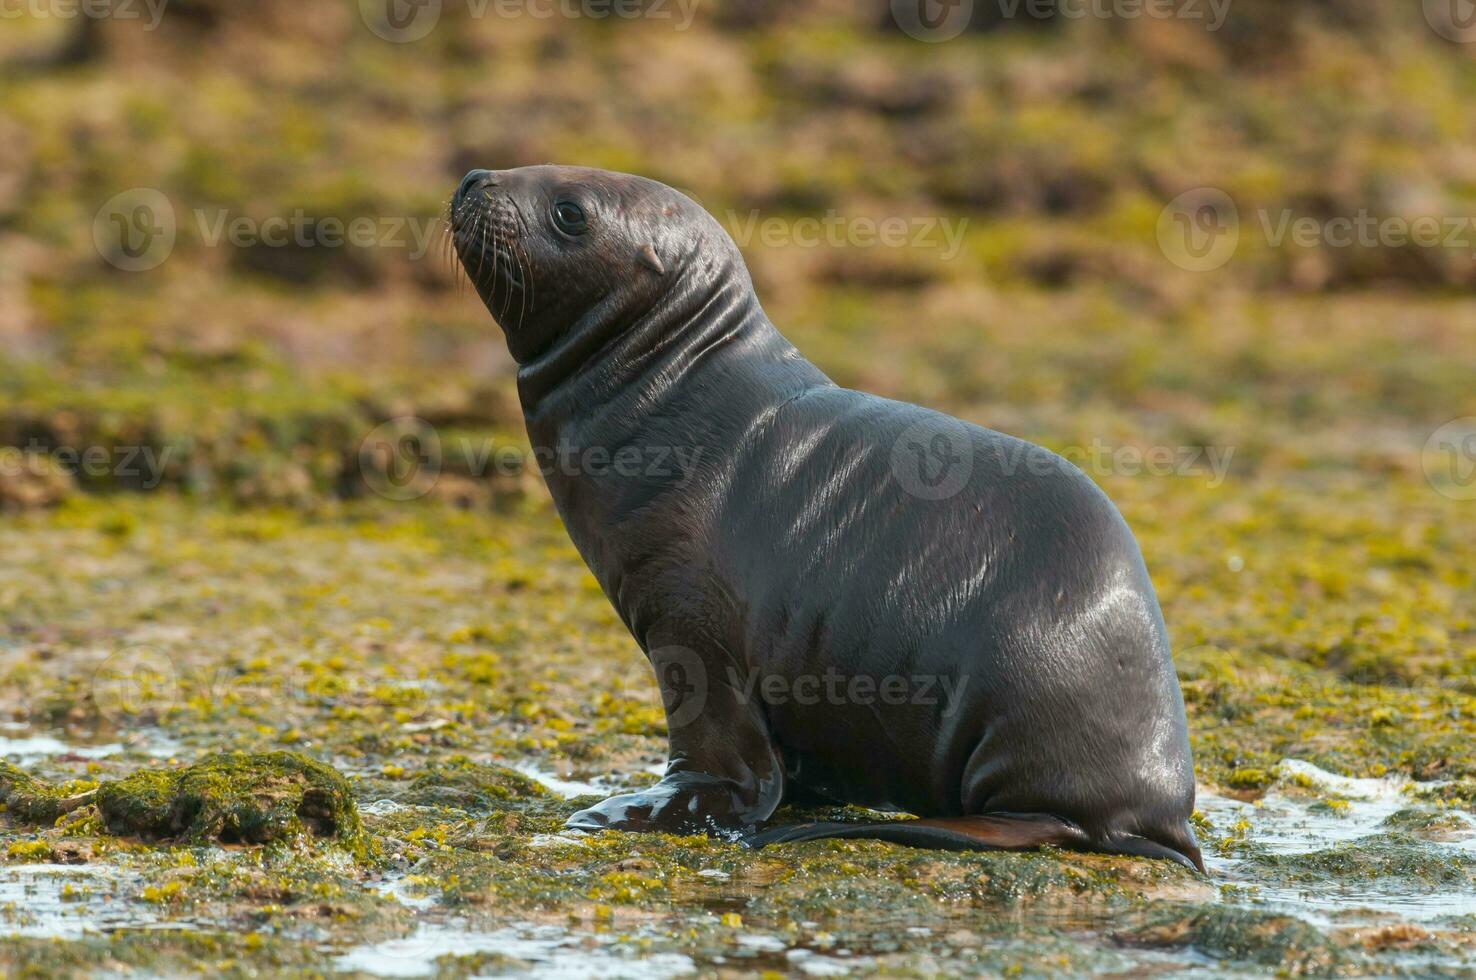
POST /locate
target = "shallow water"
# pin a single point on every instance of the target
(31, 749)
(1293, 819)
(1307, 813)
(541, 952)
(25, 749)
(554, 953)
(66, 902)
(567, 788)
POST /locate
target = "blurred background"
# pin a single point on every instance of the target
(261, 472)
(1025, 154)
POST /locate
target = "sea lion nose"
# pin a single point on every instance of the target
(471, 184)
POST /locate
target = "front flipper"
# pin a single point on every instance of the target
(682, 803)
(724, 777)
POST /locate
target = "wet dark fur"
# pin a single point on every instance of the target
(798, 545)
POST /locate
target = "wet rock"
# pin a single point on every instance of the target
(234, 798)
(470, 786)
(1290, 945)
(31, 801)
(1382, 857)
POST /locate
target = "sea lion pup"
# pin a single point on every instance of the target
(844, 598)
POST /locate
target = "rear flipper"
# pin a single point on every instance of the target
(992, 832)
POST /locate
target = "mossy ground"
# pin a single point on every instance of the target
(421, 649)
(251, 594)
(234, 798)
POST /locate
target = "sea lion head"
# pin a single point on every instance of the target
(557, 251)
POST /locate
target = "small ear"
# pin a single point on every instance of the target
(651, 260)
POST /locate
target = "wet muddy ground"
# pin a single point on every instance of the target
(464, 675)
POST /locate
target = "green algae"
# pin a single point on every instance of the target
(28, 800)
(430, 696)
(470, 786)
(1281, 942)
(234, 798)
(1406, 861)
(161, 952)
(1430, 824)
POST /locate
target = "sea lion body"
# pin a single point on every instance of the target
(844, 597)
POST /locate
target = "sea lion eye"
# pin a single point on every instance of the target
(570, 218)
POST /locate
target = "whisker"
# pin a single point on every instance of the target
(482, 256)
(457, 237)
(497, 267)
(532, 287)
(448, 245)
(461, 266)
(441, 239)
(496, 259)
(530, 294)
(506, 297)
(484, 226)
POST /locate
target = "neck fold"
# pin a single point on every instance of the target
(614, 358)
